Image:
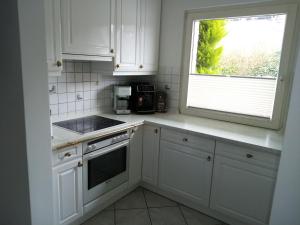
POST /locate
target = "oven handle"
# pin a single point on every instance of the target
(105, 150)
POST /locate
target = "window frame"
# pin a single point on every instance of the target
(285, 68)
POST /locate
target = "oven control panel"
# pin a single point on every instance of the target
(102, 142)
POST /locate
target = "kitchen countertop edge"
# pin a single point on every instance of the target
(137, 120)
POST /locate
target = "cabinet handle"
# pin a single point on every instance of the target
(249, 156)
(156, 131)
(68, 154)
(111, 51)
(117, 66)
(80, 164)
(58, 63)
(185, 140)
(141, 67)
(208, 158)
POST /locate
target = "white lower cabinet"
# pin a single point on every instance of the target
(136, 155)
(185, 171)
(67, 181)
(150, 154)
(243, 187)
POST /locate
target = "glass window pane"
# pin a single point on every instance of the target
(242, 46)
(235, 64)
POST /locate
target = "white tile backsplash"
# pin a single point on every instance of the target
(168, 80)
(61, 88)
(95, 90)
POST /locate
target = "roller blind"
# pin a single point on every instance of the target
(241, 95)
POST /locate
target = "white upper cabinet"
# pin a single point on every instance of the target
(87, 29)
(150, 30)
(128, 38)
(137, 39)
(53, 37)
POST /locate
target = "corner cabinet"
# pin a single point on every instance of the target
(185, 165)
(88, 29)
(137, 38)
(151, 139)
(136, 155)
(53, 37)
(248, 176)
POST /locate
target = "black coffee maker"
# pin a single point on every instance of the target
(143, 98)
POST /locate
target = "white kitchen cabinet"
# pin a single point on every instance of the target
(185, 171)
(136, 154)
(151, 139)
(127, 38)
(150, 33)
(53, 37)
(88, 29)
(137, 39)
(67, 181)
(243, 187)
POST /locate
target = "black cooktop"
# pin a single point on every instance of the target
(88, 124)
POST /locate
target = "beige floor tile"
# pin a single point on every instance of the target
(155, 200)
(132, 217)
(194, 217)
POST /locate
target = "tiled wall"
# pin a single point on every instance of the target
(168, 80)
(79, 89)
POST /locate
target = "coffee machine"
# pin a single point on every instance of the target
(143, 98)
(121, 99)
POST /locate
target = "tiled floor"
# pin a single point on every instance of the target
(142, 207)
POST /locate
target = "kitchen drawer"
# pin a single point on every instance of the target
(66, 154)
(247, 154)
(188, 139)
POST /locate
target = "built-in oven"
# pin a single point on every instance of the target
(105, 165)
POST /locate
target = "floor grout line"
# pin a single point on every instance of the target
(129, 209)
(180, 209)
(147, 206)
(115, 220)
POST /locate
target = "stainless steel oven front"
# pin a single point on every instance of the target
(105, 167)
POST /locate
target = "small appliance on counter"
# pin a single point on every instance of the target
(161, 102)
(121, 99)
(143, 98)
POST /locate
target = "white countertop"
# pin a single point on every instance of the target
(263, 138)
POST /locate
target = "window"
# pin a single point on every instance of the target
(235, 64)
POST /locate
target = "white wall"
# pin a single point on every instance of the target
(14, 189)
(36, 110)
(286, 205)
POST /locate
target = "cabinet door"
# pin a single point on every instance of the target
(127, 41)
(68, 204)
(185, 171)
(136, 154)
(87, 27)
(150, 154)
(242, 190)
(53, 36)
(150, 29)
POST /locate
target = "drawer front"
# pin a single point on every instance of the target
(188, 139)
(66, 154)
(247, 154)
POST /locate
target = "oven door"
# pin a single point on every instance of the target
(104, 170)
